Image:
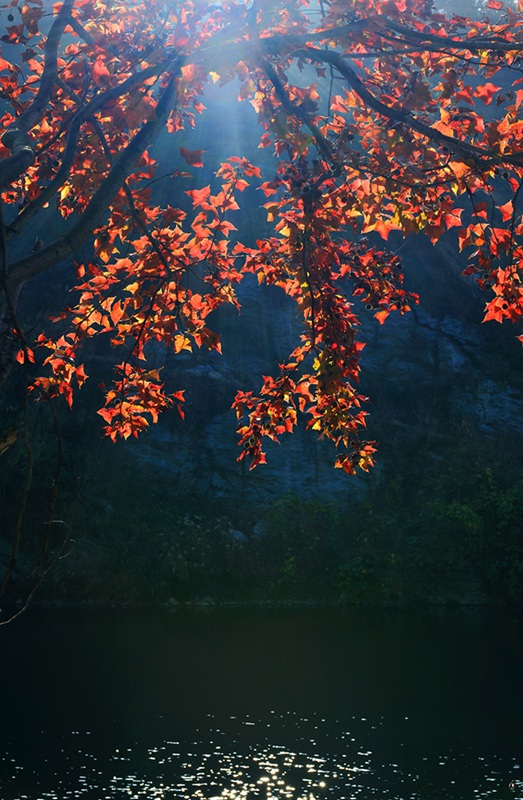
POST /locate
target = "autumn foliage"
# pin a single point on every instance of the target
(411, 122)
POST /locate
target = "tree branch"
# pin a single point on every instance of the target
(398, 114)
(12, 134)
(16, 138)
(94, 213)
(292, 109)
(473, 45)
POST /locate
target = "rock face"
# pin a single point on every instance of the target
(468, 369)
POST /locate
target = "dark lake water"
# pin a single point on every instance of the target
(241, 705)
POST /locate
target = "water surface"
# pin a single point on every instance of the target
(301, 705)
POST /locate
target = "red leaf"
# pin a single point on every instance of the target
(100, 72)
(6, 65)
(81, 377)
(24, 355)
(193, 157)
(199, 196)
(486, 92)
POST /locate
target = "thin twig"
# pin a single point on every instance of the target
(44, 575)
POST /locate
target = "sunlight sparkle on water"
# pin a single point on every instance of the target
(259, 770)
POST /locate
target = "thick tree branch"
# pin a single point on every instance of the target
(101, 99)
(473, 44)
(10, 331)
(379, 26)
(16, 138)
(292, 109)
(398, 114)
(94, 214)
(32, 208)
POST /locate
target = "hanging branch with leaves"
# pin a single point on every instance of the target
(382, 115)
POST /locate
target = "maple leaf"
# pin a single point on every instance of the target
(193, 157)
(381, 316)
(486, 92)
(6, 65)
(199, 196)
(100, 72)
(507, 210)
(25, 355)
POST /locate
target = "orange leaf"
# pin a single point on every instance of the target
(80, 374)
(5, 65)
(116, 312)
(381, 316)
(507, 210)
(181, 342)
(23, 354)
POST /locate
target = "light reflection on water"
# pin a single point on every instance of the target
(261, 706)
(249, 765)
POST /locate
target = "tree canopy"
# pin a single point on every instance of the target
(411, 122)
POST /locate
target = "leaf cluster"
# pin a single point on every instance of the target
(383, 116)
